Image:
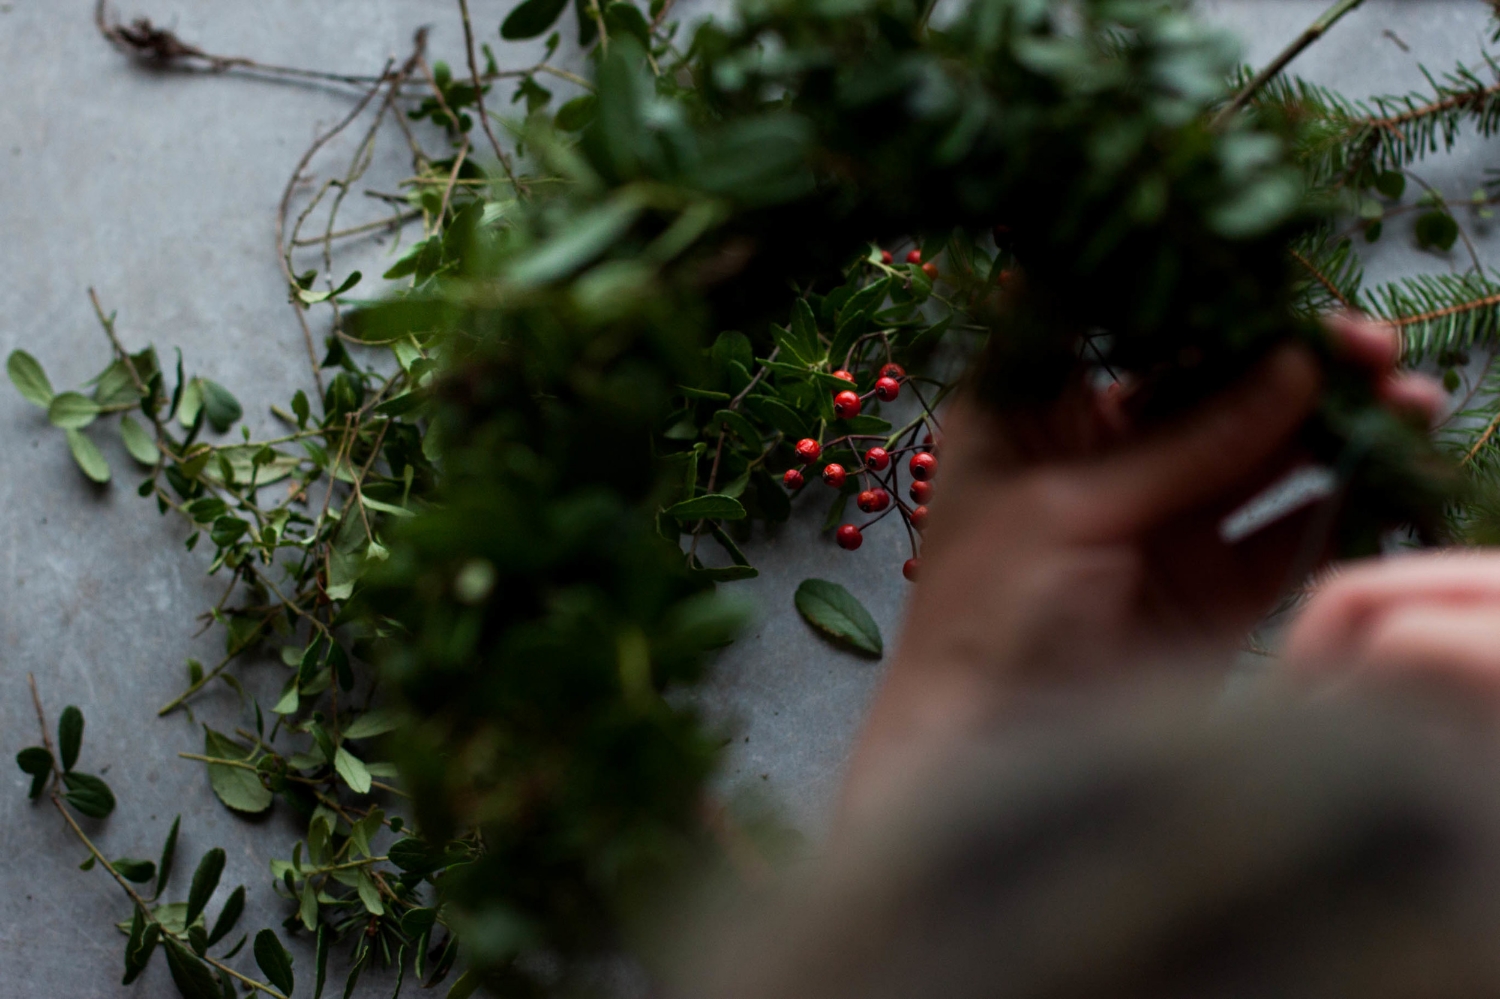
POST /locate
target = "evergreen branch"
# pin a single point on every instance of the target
(1314, 31)
(1322, 279)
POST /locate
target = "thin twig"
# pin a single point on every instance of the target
(390, 223)
(1314, 31)
(484, 119)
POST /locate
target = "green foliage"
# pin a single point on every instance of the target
(521, 477)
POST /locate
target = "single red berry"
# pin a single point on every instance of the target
(867, 501)
(849, 537)
(923, 466)
(919, 518)
(877, 459)
(808, 450)
(846, 405)
(893, 370)
(910, 568)
(1006, 276)
(834, 475)
(845, 375)
(882, 498)
(885, 256)
(921, 492)
(914, 257)
(928, 443)
(886, 389)
(792, 479)
(931, 270)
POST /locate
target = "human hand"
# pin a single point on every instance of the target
(1071, 545)
(1426, 617)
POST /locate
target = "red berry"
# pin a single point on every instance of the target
(877, 459)
(893, 370)
(846, 405)
(921, 492)
(834, 475)
(882, 498)
(885, 256)
(792, 479)
(910, 568)
(923, 466)
(919, 518)
(930, 270)
(849, 538)
(808, 450)
(886, 389)
(846, 376)
(867, 501)
(914, 257)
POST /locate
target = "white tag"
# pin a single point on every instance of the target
(1298, 488)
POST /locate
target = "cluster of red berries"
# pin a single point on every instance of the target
(914, 257)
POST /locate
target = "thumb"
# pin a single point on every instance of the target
(1208, 453)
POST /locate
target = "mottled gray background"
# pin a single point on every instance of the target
(159, 190)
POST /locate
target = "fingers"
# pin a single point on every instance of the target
(1338, 623)
(1414, 394)
(1437, 642)
(1208, 453)
(1369, 344)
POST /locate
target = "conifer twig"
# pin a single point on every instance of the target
(1314, 31)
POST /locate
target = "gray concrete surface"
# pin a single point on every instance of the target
(159, 190)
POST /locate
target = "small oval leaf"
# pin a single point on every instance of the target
(531, 19)
(713, 506)
(72, 410)
(69, 735)
(87, 455)
(833, 610)
(29, 378)
(274, 961)
(205, 880)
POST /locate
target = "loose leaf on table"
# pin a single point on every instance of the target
(273, 960)
(238, 787)
(69, 735)
(37, 762)
(89, 795)
(29, 378)
(833, 610)
(205, 880)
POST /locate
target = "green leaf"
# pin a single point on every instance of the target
(1391, 183)
(779, 415)
(574, 115)
(622, 19)
(308, 909)
(372, 723)
(87, 455)
(89, 795)
(584, 239)
(29, 378)
(190, 975)
(220, 406)
(713, 506)
(228, 916)
(205, 880)
(1436, 229)
(833, 610)
(418, 921)
(274, 961)
(531, 19)
(168, 851)
(69, 735)
(739, 425)
(190, 407)
(138, 442)
(36, 761)
(237, 787)
(140, 947)
(139, 871)
(352, 770)
(725, 574)
(72, 410)
(369, 894)
(836, 511)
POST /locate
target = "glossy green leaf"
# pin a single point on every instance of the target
(273, 960)
(72, 410)
(29, 378)
(205, 880)
(139, 871)
(189, 974)
(139, 947)
(234, 906)
(834, 611)
(88, 794)
(713, 506)
(531, 19)
(237, 787)
(739, 425)
(168, 852)
(69, 735)
(37, 762)
(352, 770)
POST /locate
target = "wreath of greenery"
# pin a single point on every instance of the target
(525, 474)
